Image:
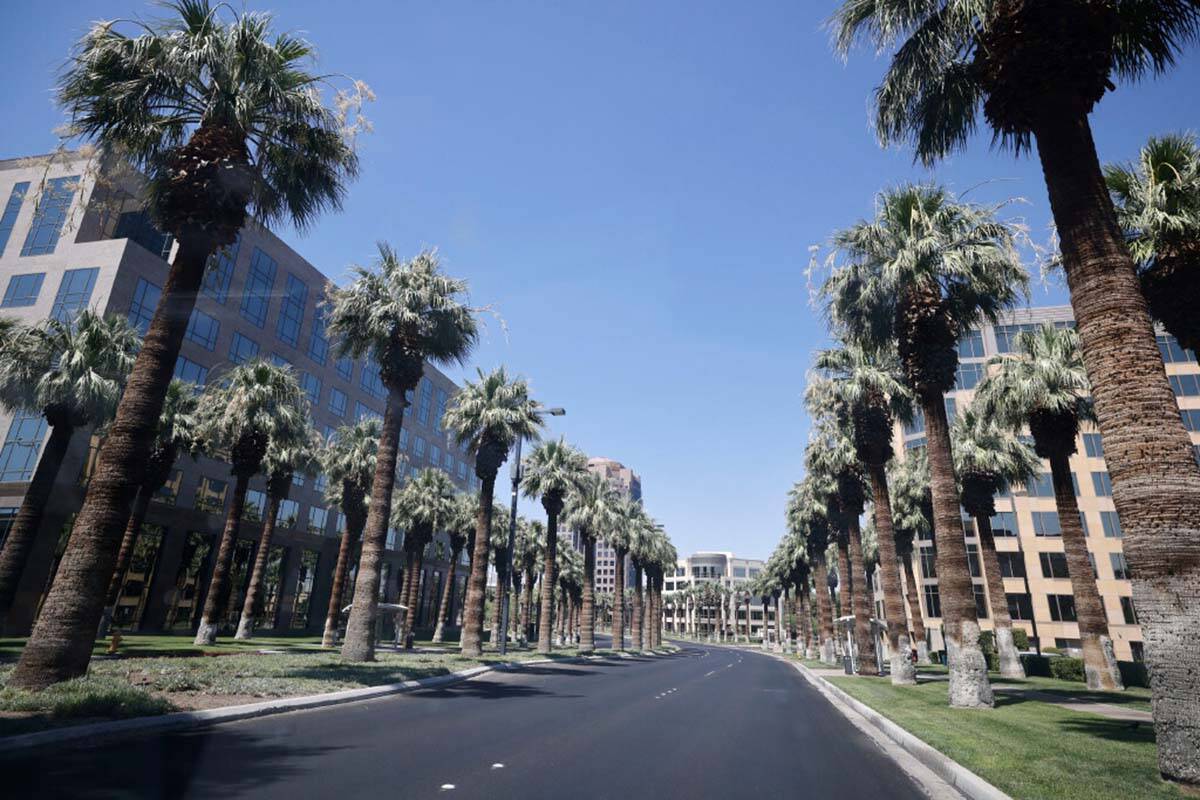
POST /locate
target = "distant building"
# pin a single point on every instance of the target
(725, 569)
(629, 484)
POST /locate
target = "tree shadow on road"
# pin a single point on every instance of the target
(487, 690)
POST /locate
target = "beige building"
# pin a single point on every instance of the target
(1026, 525)
(626, 481)
(726, 570)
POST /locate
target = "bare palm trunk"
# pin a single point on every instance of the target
(845, 577)
(354, 529)
(472, 629)
(561, 628)
(903, 672)
(549, 579)
(914, 612)
(526, 606)
(969, 686)
(618, 609)
(218, 585)
(28, 520)
(439, 630)
(252, 606)
(636, 628)
(60, 646)
(502, 596)
(360, 628)
(587, 612)
(1006, 648)
(1156, 482)
(863, 637)
(1099, 662)
(137, 516)
(414, 597)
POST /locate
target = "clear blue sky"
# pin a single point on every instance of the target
(634, 186)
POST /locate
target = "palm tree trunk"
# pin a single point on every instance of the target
(618, 607)
(60, 646)
(1156, 482)
(360, 628)
(778, 623)
(472, 628)
(526, 606)
(1006, 649)
(549, 580)
(439, 630)
(636, 626)
(863, 636)
(845, 578)
(502, 594)
(914, 612)
(25, 525)
(969, 686)
(587, 612)
(354, 525)
(824, 609)
(137, 516)
(561, 627)
(218, 585)
(253, 603)
(903, 672)
(1099, 662)
(414, 596)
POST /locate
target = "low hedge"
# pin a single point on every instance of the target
(1020, 638)
(1134, 673)
(1067, 669)
(1035, 665)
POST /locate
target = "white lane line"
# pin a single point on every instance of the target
(710, 672)
(497, 765)
(447, 787)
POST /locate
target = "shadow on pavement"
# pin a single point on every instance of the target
(483, 689)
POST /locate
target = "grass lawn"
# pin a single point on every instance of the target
(154, 676)
(166, 645)
(1026, 748)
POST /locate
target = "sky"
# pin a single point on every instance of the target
(634, 189)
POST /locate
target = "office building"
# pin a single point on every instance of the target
(627, 483)
(728, 571)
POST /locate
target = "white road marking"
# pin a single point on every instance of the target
(710, 672)
(497, 765)
(447, 787)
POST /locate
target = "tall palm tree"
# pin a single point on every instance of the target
(227, 121)
(498, 550)
(175, 435)
(569, 572)
(916, 278)
(867, 392)
(1037, 69)
(401, 314)
(285, 459)
(72, 373)
(641, 533)
(589, 511)
(912, 517)
(989, 460)
(551, 472)
(422, 507)
(807, 514)
(1044, 385)
(348, 461)
(621, 537)
(459, 525)
(1158, 208)
(488, 416)
(256, 404)
(531, 536)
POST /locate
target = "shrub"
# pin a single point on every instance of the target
(1134, 673)
(987, 642)
(993, 662)
(1051, 651)
(1067, 669)
(1035, 665)
(1020, 638)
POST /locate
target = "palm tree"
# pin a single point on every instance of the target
(401, 314)
(72, 373)
(1044, 385)
(640, 532)
(912, 518)
(867, 393)
(256, 404)
(488, 416)
(176, 434)
(285, 458)
(348, 461)
(498, 550)
(621, 537)
(916, 278)
(459, 525)
(989, 460)
(422, 506)
(1158, 208)
(529, 543)
(552, 471)
(226, 121)
(590, 508)
(1037, 69)
(808, 515)
(569, 572)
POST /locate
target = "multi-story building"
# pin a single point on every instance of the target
(728, 571)
(74, 237)
(1026, 524)
(625, 481)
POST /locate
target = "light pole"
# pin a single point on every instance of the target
(502, 585)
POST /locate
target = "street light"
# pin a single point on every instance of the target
(502, 585)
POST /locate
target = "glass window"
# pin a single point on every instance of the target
(320, 482)
(928, 557)
(419, 446)
(1083, 523)
(1112, 525)
(145, 300)
(203, 330)
(435, 454)
(971, 345)
(49, 216)
(1185, 385)
(168, 493)
(344, 367)
(933, 601)
(13, 207)
(219, 273)
(318, 519)
(188, 370)
(1062, 607)
(404, 438)
(210, 495)
(1012, 565)
(915, 444)
(256, 297)
(1054, 565)
(1046, 523)
(448, 462)
(288, 514)
(74, 293)
(1006, 335)
(23, 290)
(1093, 445)
(916, 424)
(1041, 485)
(1191, 418)
(440, 408)
(362, 411)
(280, 361)
(951, 408)
(973, 561)
(1120, 566)
(311, 385)
(370, 380)
(1172, 353)
(19, 456)
(1004, 523)
(255, 509)
(318, 340)
(1019, 606)
(981, 609)
(291, 310)
(304, 586)
(242, 348)
(187, 588)
(462, 470)
(1128, 611)
(337, 401)
(426, 401)
(1102, 484)
(137, 226)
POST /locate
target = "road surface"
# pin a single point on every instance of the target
(705, 722)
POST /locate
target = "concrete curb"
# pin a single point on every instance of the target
(29, 742)
(962, 779)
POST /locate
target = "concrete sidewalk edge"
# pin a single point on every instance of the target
(27, 742)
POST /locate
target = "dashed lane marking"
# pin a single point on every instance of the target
(497, 765)
(447, 787)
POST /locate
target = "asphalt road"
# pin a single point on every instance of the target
(706, 722)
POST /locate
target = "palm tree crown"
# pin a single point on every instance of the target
(349, 458)
(424, 504)
(988, 459)
(865, 388)
(552, 471)
(591, 507)
(490, 414)
(256, 403)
